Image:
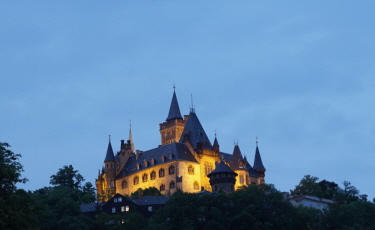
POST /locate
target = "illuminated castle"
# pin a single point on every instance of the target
(183, 161)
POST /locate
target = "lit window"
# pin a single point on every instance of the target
(153, 175)
(170, 155)
(241, 179)
(136, 180)
(144, 177)
(119, 199)
(161, 172)
(196, 186)
(162, 187)
(114, 210)
(127, 208)
(115, 200)
(191, 169)
(171, 170)
(149, 208)
(122, 208)
(124, 184)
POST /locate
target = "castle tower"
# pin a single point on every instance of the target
(259, 168)
(222, 178)
(172, 128)
(110, 169)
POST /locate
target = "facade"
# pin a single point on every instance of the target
(308, 201)
(183, 161)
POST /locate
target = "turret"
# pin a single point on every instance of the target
(172, 128)
(110, 168)
(258, 167)
(222, 178)
(216, 145)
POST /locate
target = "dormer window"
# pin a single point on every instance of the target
(170, 155)
(145, 163)
(139, 166)
(153, 161)
(163, 158)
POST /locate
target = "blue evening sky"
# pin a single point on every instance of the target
(299, 75)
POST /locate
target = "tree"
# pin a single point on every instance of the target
(17, 208)
(151, 191)
(309, 186)
(67, 177)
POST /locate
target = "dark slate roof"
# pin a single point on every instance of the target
(174, 110)
(216, 143)
(92, 207)
(110, 156)
(222, 168)
(258, 164)
(195, 132)
(150, 200)
(236, 158)
(179, 151)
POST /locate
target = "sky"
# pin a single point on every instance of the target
(299, 75)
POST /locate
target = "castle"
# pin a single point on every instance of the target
(184, 161)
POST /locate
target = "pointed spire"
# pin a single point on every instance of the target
(258, 164)
(110, 156)
(131, 136)
(216, 143)
(174, 110)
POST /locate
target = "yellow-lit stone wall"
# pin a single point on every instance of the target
(243, 178)
(207, 165)
(181, 168)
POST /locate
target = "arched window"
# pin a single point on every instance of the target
(241, 179)
(153, 175)
(172, 185)
(144, 177)
(136, 180)
(171, 170)
(196, 186)
(161, 172)
(207, 168)
(191, 169)
(124, 184)
(162, 187)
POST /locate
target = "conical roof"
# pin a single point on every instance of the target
(109, 156)
(174, 110)
(222, 168)
(258, 164)
(196, 134)
(216, 143)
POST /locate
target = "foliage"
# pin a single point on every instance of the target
(17, 209)
(151, 191)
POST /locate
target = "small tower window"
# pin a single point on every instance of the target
(161, 172)
(153, 175)
(171, 170)
(241, 179)
(136, 180)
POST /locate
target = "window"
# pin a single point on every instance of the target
(152, 161)
(138, 166)
(191, 169)
(119, 199)
(171, 170)
(163, 158)
(127, 208)
(170, 155)
(145, 163)
(162, 187)
(149, 208)
(161, 172)
(172, 185)
(207, 168)
(241, 179)
(124, 184)
(153, 175)
(122, 208)
(144, 177)
(136, 180)
(114, 210)
(115, 200)
(196, 186)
